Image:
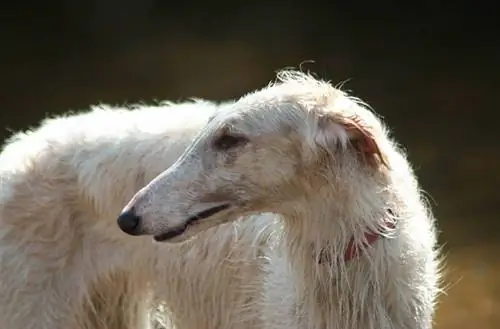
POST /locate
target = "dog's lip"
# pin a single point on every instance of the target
(191, 220)
(170, 234)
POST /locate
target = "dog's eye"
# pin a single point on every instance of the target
(226, 142)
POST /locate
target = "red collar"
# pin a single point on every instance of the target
(353, 249)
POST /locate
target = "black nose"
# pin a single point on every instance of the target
(128, 222)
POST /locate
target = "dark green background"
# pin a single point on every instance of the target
(430, 68)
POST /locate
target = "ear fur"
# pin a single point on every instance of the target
(350, 132)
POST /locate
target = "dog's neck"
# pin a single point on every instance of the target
(337, 257)
(336, 231)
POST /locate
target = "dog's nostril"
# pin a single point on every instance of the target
(128, 222)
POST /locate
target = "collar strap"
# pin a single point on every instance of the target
(354, 249)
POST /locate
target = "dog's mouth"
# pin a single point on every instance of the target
(191, 221)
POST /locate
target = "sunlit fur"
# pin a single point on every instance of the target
(64, 263)
(301, 162)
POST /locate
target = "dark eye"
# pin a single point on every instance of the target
(226, 141)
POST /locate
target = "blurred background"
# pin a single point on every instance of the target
(429, 67)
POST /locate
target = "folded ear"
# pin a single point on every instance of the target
(345, 132)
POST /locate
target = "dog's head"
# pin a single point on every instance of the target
(267, 149)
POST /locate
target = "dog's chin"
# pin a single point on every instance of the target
(193, 227)
(190, 231)
(180, 238)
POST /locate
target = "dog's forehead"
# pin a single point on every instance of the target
(259, 116)
(224, 118)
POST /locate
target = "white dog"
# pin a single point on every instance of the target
(356, 245)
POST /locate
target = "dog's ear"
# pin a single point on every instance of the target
(344, 132)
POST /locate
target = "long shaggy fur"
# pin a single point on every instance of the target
(327, 165)
(63, 261)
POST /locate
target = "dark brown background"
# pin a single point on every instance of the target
(429, 68)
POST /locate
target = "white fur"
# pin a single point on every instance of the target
(64, 263)
(311, 158)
